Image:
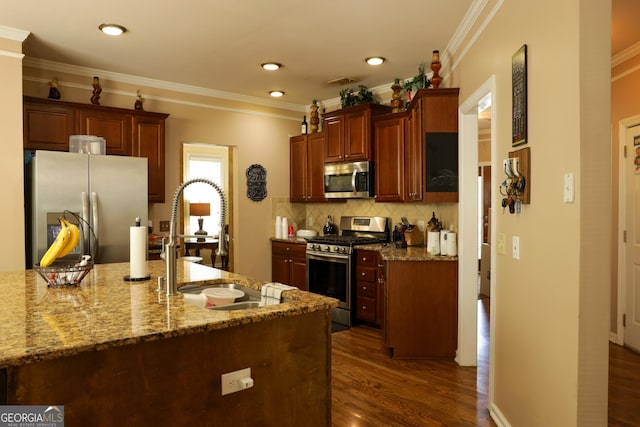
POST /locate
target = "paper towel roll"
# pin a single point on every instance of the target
(138, 252)
(451, 244)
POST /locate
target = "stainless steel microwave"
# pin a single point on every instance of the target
(352, 180)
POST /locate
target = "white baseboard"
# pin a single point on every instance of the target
(498, 417)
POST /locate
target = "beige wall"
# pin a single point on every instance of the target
(551, 314)
(11, 164)
(259, 134)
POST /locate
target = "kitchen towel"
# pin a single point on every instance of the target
(138, 252)
(271, 293)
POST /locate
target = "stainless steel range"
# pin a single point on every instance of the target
(331, 264)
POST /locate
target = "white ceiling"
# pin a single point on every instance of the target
(220, 45)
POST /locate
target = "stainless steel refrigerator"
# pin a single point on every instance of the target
(109, 192)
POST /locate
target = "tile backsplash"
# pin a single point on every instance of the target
(313, 216)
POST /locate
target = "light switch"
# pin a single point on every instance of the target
(569, 188)
(516, 247)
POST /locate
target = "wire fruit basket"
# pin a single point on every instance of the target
(68, 273)
(63, 276)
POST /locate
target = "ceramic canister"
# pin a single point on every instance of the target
(433, 242)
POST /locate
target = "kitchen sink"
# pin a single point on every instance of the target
(249, 293)
(251, 298)
(243, 305)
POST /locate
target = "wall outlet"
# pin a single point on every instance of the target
(236, 381)
(164, 226)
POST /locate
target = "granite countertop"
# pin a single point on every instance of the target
(298, 240)
(38, 322)
(412, 253)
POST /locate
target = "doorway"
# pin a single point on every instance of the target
(628, 322)
(469, 229)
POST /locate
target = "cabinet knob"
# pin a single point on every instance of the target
(364, 258)
(363, 274)
(364, 307)
(364, 288)
(288, 249)
(380, 280)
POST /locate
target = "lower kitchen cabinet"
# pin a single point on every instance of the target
(289, 263)
(369, 287)
(421, 305)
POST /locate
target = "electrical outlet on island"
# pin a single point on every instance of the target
(164, 226)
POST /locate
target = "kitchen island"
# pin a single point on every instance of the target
(122, 353)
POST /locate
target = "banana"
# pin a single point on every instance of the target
(72, 242)
(54, 250)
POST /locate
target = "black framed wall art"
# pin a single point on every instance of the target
(519, 96)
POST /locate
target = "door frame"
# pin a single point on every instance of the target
(467, 354)
(623, 126)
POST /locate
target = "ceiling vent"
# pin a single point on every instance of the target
(341, 81)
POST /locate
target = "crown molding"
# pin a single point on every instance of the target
(625, 55)
(13, 33)
(159, 84)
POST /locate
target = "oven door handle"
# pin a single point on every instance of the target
(329, 257)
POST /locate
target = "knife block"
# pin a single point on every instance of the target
(414, 237)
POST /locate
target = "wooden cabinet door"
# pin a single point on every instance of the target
(298, 273)
(380, 278)
(148, 141)
(357, 136)
(389, 140)
(334, 131)
(414, 159)
(298, 168)
(280, 271)
(47, 126)
(113, 126)
(440, 120)
(315, 167)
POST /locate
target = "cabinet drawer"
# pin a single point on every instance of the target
(366, 309)
(292, 250)
(366, 289)
(366, 258)
(365, 273)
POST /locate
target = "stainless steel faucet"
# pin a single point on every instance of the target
(170, 246)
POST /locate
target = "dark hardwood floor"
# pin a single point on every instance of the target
(371, 389)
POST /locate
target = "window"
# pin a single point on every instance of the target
(210, 162)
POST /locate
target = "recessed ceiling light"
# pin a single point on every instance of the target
(375, 60)
(276, 93)
(271, 66)
(112, 29)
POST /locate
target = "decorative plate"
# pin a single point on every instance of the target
(256, 182)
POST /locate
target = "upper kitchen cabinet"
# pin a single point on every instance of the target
(440, 127)
(349, 132)
(389, 134)
(48, 124)
(113, 126)
(148, 141)
(307, 167)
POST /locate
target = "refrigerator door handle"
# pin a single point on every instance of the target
(85, 223)
(96, 222)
